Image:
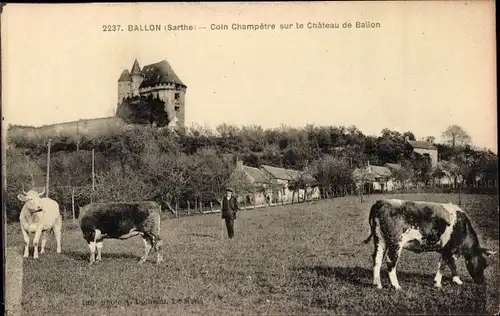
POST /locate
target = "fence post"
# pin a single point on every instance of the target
(211, 207)
(189, 208)
(73, 203)
(177, 209)
(48, 170)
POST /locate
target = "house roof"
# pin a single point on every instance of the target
(256, 174)
(125, 76)
(136, 69)
(394, 166)
(374, 173)
(279, 173)
(422, 145)
(288, 174)
(358, 174)
(381, 171)
(158, 73)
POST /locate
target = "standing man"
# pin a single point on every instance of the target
(229, 209)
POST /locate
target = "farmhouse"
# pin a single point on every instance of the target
(288, 179)
(374, 178)
(425, 149)
(158, 80)
(252, 185)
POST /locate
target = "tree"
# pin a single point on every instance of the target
(361, 176)
(456, 136)
(410, 135)
(404, 174)
(208, 174)
(143, 110)
(430, 139)
(422, 166)
(332, 173)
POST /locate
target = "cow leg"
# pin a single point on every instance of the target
(57, 234)
(44, 242)
(36, 240)
(148, 244)
(393, 254)
(90, 238)
(158, 243)
(439, 275)
(26, 237)
(99, 246)
(92, 247)
(378, 257)
(451, 262)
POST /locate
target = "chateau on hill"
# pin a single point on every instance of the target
(158, 80)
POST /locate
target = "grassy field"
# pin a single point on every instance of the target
(295, 259)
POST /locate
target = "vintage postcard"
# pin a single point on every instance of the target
(287, 158)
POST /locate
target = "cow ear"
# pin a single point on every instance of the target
(22, 198)
(487, 252)
(490, 253)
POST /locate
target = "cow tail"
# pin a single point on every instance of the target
(371, 222)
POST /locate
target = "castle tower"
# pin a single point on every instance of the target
(137, 78)
(161, 81)
(124, 86)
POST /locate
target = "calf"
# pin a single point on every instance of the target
(39, 215)
(424, 227)
(100, 221)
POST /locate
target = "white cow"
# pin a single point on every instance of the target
(38, 216)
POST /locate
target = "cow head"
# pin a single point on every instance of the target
(32, 200)
(478, 262)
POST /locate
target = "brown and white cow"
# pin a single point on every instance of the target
(100, 221)
(424, 227)
(39, 215)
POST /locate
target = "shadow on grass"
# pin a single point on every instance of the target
(84, 256)
(202, 235)
(359, 276)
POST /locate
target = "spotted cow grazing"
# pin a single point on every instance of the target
(100, 221)
(39, 215)
(424, 227)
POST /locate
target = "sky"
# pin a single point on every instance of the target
(429, 65)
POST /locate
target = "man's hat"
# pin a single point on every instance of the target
(229, 189)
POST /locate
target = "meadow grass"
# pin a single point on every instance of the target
(294, 259)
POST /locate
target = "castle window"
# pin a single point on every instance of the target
(177, 96)
(176, 109)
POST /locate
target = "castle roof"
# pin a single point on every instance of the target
(159, 73)
(125, 76)
(136, 69)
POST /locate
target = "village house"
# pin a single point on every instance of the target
(158, 80)
(251, 184)
(425, 149)
(285, 179)
(374, 178)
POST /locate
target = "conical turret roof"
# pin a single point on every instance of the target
(125, 76)
(136, 69)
